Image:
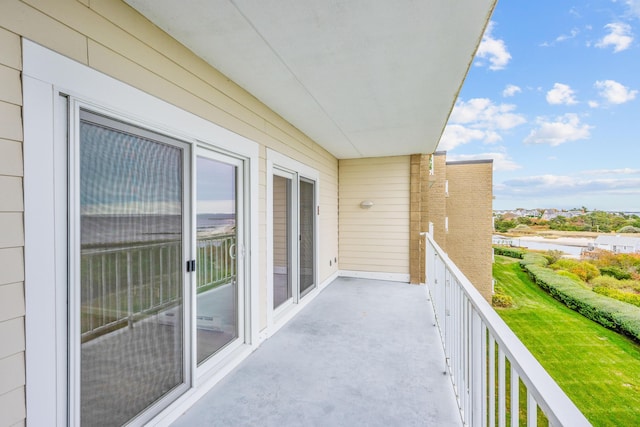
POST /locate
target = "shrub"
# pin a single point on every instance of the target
(616, 272)
(501, 300)
(564, 264)
(570, 275)
(607, 282)
(510, 252)
(629, 229)
(627, 297)
(553, 255)
(613, 314)
(586, 271)
(583, 269)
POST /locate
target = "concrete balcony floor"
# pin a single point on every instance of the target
(363, 353)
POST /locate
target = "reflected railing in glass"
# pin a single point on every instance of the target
(124, 285)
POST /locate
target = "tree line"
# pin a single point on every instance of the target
(599, 221)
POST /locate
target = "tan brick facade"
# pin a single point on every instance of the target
(469, 207)
(457, 198)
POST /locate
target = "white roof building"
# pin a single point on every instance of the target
(618, 244)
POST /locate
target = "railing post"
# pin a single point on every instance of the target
(129, 292)
(477, 394)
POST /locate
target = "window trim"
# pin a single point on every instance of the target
(47, 74)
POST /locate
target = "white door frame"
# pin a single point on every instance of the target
(278, 162)
(47, 74)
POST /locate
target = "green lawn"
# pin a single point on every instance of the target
(597, 368)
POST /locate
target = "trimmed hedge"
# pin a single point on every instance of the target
(510, 252)
(627, 297)
(611, 313)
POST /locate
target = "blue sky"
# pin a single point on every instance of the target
(553, 97)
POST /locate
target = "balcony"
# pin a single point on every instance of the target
(382, 353)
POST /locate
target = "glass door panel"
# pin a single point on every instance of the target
(307, 236)
(217, 316)
(282, 280)
(131, 269)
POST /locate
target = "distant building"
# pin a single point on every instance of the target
(617, 244)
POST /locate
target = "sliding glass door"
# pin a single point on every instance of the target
(282, 239)
(218, 258)
(307, 236)
(293, 229)
(131, 276)
(157, 291)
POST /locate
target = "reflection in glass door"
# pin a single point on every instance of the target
(282, 283)
(218, 293)
(131, 274)
(307, 236)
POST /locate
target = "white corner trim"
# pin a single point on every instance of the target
(375, 275)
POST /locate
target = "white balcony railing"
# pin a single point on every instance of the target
(122, 285)
(486, 360)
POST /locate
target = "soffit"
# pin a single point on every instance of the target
(362, 78)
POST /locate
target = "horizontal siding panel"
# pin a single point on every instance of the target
(350, 218)
(22, 19)
(387, 228)
(11, 301)
(373, 221)
(12, 373)
(11, 190)
(392, 258)
(11, 337)
(374, 239)
(11, 266)
(11, 229)
(375, 268)
(348, 248)
(371, 185)
(365, 178)
(10, 51)
(388, 236)
(376, 161)
(10, 121)
(13, 407)
(10, 88)
(11, 158)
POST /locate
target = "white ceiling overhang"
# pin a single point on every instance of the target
(362, 78)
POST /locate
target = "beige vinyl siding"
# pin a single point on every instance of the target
(113, 38)
(375, 239)
(12, 307)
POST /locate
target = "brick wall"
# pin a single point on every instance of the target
(469, 207)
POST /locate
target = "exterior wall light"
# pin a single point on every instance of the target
(366, 204)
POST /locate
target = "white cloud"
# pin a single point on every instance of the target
(614, 92)
(562, 37)
(619, 37)
(555, 132)
(561, 94)
(633, 7)
(478, 119)
(455, 135)
(510, 90)
(501, 162)
(494, 50)
(593, 104)
(561, 185)
(483, 113)
(621, 171)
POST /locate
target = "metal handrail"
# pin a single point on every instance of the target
(472, 335)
